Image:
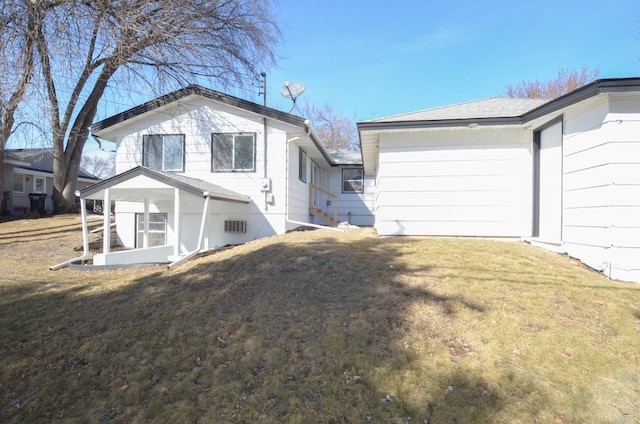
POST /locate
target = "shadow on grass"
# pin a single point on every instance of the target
(29, 235)
(313, 331)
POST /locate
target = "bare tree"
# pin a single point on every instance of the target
(336, 130)
(565, 82)
(17, 62)
(99, 166)
(88, 47)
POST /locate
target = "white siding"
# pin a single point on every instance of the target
(470, 182)
(197, 119)
(355, 208)
(602, 186)
(298, 191)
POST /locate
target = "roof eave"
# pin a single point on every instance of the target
(148, 172)
(319, 145)
(177, 95)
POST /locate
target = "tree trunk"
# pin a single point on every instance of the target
(65, 174)
(66, 159)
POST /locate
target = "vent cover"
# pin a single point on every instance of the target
(235, 226)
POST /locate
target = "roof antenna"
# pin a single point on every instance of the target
(264, 86)
(292, 91)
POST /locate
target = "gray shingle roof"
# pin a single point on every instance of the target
(192, 185)
(345, 157)
(41, 160)
(495, 107)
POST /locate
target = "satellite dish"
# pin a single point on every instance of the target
(292, 91)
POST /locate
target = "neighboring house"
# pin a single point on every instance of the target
(30, 171)
(198, 169)
(564, 174)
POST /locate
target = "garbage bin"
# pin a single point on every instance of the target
(37, 202)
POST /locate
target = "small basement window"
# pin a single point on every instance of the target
(231, 226)
(157, 229)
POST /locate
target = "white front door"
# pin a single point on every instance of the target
(318, 197)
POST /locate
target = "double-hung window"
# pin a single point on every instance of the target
(164, 152)
(352, 180)
(233, 152)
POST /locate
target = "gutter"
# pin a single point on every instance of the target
(85, 238)
(440, 123)
(316, 140)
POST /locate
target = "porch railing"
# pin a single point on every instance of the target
(314, 191)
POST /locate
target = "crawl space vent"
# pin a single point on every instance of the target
(235, 226)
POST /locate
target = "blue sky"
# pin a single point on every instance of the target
(377, 58)
(374, 58)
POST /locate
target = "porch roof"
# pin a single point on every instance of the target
(142, 182)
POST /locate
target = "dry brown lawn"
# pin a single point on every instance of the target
(315, 327)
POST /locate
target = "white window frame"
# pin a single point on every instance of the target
(350, 182)
(148, 139)
(162, 222)
(231, 138)
(35, 184)
(13, 184)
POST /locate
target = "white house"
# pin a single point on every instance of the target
(564, 174)
(198, 169)
(30, 172)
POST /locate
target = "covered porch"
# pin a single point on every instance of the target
(148, 194)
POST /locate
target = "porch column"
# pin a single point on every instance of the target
(106, 210)
(176, 222)
(145, 236)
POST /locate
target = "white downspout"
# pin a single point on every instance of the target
(203, 224)
(85, 238)
(106, 210)
(145, 232)
(176, 222)
(265, 174)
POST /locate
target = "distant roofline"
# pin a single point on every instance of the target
(394, 118)
(28, 164)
